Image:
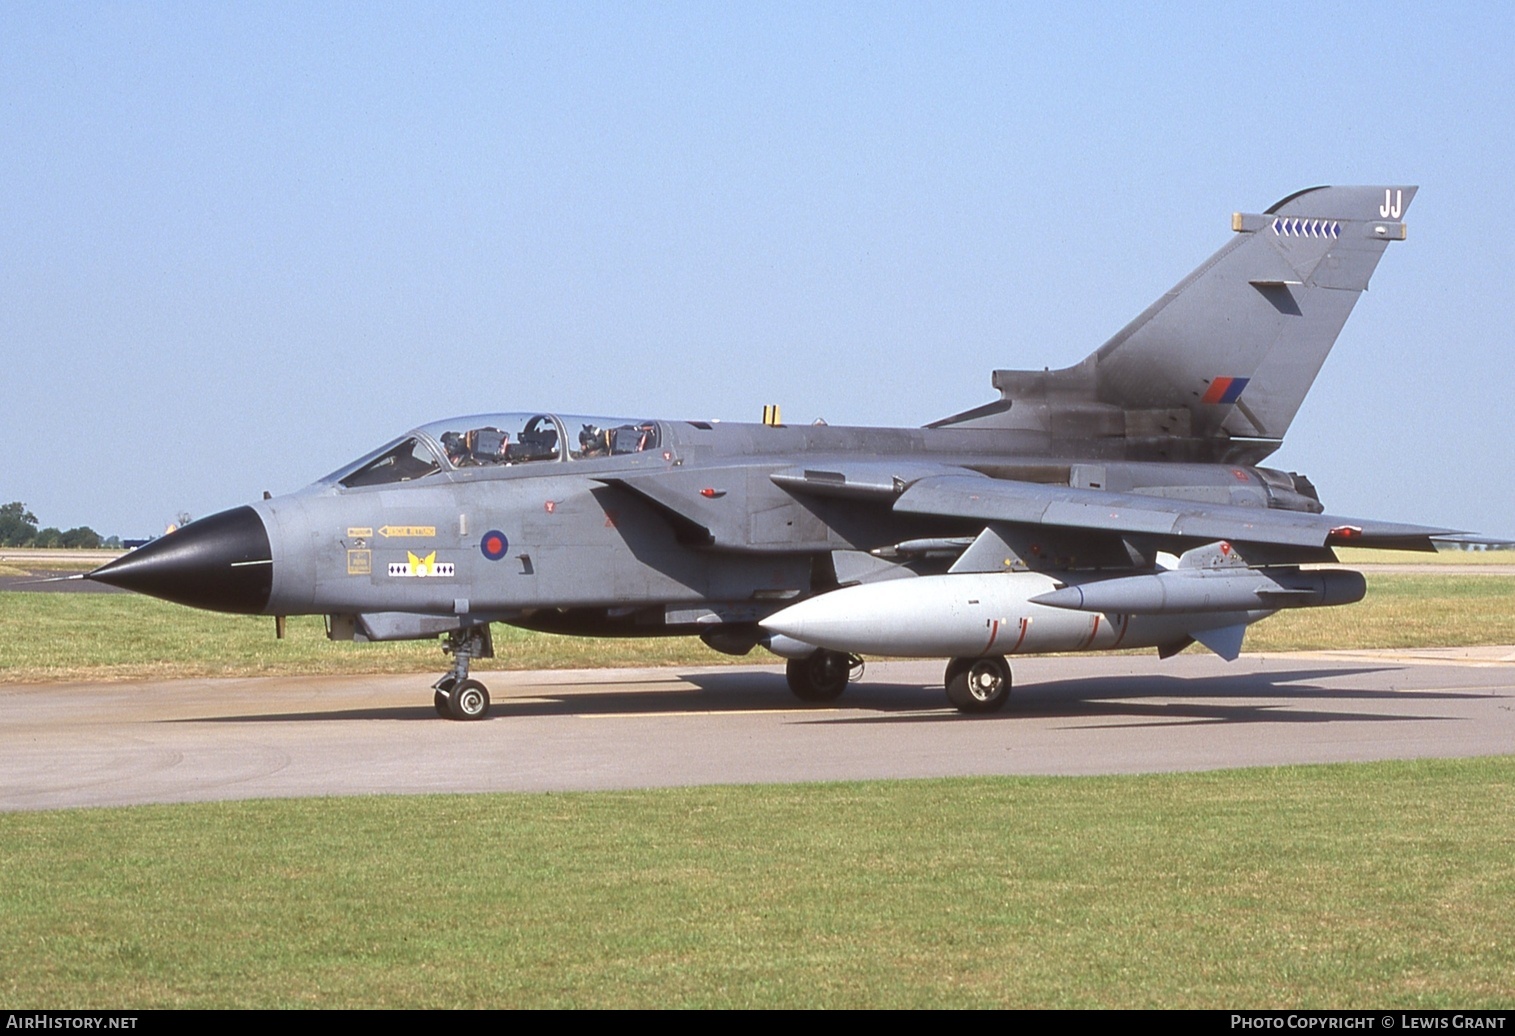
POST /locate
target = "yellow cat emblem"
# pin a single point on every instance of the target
(417, 565)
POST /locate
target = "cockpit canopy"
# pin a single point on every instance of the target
(496, 440)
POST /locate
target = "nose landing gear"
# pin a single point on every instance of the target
(458, 697)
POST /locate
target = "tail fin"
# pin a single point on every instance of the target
(1230, 352)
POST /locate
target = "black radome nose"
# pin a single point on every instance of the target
(222, 562)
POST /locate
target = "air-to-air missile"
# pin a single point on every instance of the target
(973, 614)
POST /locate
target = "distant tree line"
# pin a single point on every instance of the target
(18, 528)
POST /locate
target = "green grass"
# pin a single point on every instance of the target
(53, 560)
(115, 636)
(118, 636)
(1384, 885)
(1400, 611)
(1377, 556)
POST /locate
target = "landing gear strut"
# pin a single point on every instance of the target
(821, 676)
(458, 697)
(978, 684)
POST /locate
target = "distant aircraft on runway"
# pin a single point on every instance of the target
(1117, 503)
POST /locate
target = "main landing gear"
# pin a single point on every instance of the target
(978, 684)
(458, 697)
(974, 685)
(821, 676)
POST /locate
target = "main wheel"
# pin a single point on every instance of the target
(439, 699)
(468, 700)
(978, 684)
(821, 676)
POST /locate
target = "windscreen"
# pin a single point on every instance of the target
(407, 460)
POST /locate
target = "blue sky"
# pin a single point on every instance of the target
(247, 243)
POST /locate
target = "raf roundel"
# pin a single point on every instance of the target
(494, 545)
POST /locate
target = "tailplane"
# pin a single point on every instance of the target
(1219, 366)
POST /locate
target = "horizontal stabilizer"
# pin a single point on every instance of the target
(1463, 541)
(1183, 523)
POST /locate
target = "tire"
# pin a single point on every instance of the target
(439, 699)
(821, 676)
(978, 684)
(469, 700)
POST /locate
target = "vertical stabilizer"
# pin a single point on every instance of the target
(1232, 349)
(1239, 341)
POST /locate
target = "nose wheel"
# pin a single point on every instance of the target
(467, 699)
(455, 695)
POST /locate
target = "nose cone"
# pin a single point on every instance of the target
(222, 562)
(816, 617)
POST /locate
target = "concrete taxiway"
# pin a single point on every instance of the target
(188, 740)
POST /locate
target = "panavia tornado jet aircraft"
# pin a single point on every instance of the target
(1117, 503)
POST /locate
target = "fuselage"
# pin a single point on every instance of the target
(694, 519)
(644, 527)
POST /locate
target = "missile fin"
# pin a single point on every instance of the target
(1283, 597)
(1169, 650)
(1225, 642)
